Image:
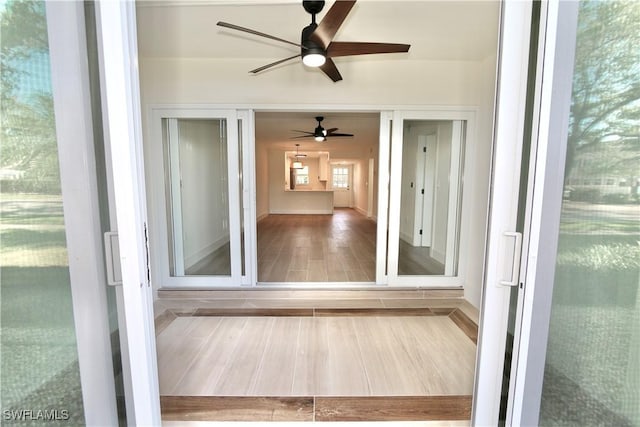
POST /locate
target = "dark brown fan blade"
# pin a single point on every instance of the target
(256, 33)
(330, 69)
(338, 134)
(303, 131)
(264, 67)
(331, 22)
(336, 49)
(331, 130)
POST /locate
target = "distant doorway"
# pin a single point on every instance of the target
(341, 182)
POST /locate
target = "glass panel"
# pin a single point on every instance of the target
(105, 223)
(592, 373)
(199, 197)
(241, 199)
(428, 218)
(39, 369)
(302, 175)
(341, 177)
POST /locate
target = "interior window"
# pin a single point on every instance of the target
(302, 176)
(340, 177)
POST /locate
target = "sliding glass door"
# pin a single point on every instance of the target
(198, 166)
(426, 197)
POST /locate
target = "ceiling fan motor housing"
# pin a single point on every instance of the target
(313, 7)
(309, 47)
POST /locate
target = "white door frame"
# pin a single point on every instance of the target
(156, 163)
(75, 138)
(455, 229)
(349, 189)
(552, 101)
(120, 46)
(507, 155)
(123, 129)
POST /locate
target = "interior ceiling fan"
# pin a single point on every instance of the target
(317, 47)
(319, 133)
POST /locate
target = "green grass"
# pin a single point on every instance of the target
(37, 338)
(609, 256)
(600, 227)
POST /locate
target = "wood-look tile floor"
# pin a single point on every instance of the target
(317, 248)
(341, 359)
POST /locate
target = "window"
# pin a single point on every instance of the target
(302, 176)
(340, 177)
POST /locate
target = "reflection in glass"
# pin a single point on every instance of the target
(430, 196)
(592, 373)
(39, 355)
(198, 202)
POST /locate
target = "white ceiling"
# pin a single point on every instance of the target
(436, 30)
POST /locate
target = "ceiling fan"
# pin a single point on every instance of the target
(320, 134)
(317, 47)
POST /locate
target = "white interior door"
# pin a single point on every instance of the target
(426, 155)
(342, 183)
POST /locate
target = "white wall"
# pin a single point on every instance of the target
(407, 188)
(441, 200)
(479, 176)
(262, 181)
(216, 81)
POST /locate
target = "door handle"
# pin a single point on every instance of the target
(112, 258)
(512, 250)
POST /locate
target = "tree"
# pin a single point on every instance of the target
(605, 110)
(27, 119)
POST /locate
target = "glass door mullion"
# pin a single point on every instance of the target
(233, 173)
(383, 198)
(247, 196)
(176, 202)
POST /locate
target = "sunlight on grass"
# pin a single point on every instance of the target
(32, 231)
(603, 257)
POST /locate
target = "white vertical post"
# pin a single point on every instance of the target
(508, 136)
(383, 197)
(553, 101)
(117, 44)
(74, 133)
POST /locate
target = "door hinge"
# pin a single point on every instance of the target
(422, 191)
(424, 149)
(420, 232)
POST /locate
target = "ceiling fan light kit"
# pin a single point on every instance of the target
(320, 134)
(313, 59)
(297, 164)
(317, 47)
